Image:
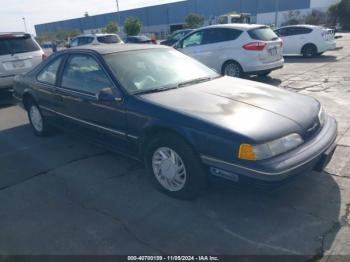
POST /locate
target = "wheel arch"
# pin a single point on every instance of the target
(309, 44)
(152, 132)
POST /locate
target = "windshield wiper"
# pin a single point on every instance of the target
(182, 84)
(156, 90)
(195, 81)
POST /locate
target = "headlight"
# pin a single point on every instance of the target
(322, 116)
(270, 149)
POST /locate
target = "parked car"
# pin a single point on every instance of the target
(139, 39)
(308, 40)
(182, 119)
(235, 49)
(176, 36)
(19, 53)
(95, 39)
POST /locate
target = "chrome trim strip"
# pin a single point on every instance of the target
(84, 122)
(133, 137)
(73, 91)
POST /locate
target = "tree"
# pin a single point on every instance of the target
(111, 28)
(58, 35)
(194, 21)
(316, 17)
(340, 12)
(333, 14)
(344, 14)
(86, 14)
(132, 26)
(293, 17)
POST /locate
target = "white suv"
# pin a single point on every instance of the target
(19, 53)
(235, 49)
(95, 39)
(308, 40)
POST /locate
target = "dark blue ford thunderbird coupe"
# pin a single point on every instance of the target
(183, 120)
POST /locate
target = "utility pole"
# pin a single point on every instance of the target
(277, 7)
(118, 12)
(25, 24)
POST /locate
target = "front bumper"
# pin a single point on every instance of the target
(313, 155)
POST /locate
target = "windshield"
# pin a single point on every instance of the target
(263, 34)
(178, 35)
(154, 69)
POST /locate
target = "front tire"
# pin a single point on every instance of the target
(174, 167)
(36, 119)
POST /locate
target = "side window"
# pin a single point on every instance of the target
(85, 40)
(303, 30)
(83, 73)
(193, 40)
(298, 31)
(74, 42)
(49, 74)
(285, 31)
(217, 35)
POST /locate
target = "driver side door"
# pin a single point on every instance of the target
(192, 45)
(82, 78)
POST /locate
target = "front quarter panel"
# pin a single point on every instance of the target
(205, 138)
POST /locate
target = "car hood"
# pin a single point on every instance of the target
(258, 111)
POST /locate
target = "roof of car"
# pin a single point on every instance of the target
(93, 35)
(183, 30)
(235, 26)
(116, 48)
(306, 26)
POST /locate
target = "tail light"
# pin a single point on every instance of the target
(255, 46)
(44, 56)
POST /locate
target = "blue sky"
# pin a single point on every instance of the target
(42, 11)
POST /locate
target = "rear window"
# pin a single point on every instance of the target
(109, 39)
(16, 44)
(262, 34)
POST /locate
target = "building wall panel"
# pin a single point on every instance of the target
(175, 13)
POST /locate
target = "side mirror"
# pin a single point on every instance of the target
(108, 95)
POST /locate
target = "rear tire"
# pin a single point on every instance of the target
(309, 50)
(174, 167)
(233, 69)
(36, 119)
